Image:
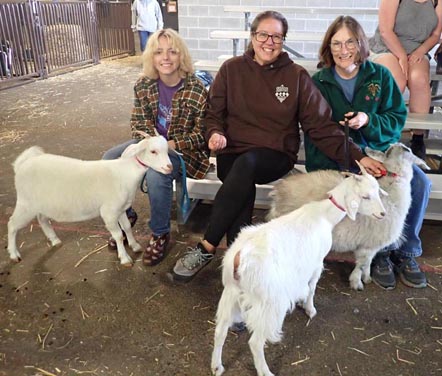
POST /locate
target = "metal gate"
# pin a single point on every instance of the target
(40, 37)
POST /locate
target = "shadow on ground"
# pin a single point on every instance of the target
(75, 311)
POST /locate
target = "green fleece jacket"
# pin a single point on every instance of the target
(376, 94)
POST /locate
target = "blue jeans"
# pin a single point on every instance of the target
(159, 189)
(420, 194)
(144, 36)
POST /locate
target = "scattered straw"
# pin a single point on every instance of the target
(301, 361)
(167, 334)
(84, 314)
(432, 287)
(339, 370)
(44, 372)
(90, 253)
(67, 343)
(402, 360)
(333, 335)
(147, 300)
(94, 372)
(372, 338)
(436, 327)
(411, 305)
(46, 336)
(23, 284)
(359, 351)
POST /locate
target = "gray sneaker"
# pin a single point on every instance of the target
(191, 263)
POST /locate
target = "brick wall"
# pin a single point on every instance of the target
(198, 17)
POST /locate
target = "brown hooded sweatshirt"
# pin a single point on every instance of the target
(265, 106)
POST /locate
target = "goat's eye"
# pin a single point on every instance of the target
(366, 197)
(154, 152)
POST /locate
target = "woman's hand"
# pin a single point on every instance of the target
(373, 166)
(357, 119)
(217, 142)
(415, 57)
(403, 63)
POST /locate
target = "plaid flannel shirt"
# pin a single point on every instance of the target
(186, 126)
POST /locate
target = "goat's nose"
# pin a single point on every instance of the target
(382, 214)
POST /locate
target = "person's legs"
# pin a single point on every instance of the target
(144, 36)
(404, 257)
(160, 193)
(233, 203)
(391, 62)
(420, 100)
(402, 260)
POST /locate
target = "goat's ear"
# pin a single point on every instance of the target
(375, 154)
(132, 150)
(144, 134)
(362, 168)
(421, 163)
(352, 202)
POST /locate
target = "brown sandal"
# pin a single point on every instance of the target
(156, 249)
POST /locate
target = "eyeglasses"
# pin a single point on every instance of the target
(349, 45)
(262, 36)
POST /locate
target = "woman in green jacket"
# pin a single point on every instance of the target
(367, 93)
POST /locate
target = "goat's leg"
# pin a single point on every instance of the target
(361, 272)
(228, 309)
(309, 306)
(48, 230)
(112, 226)
(256, 344)
(19, 219)
(125, 225)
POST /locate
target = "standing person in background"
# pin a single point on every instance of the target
(407, 31)
(256, 105)
(169, 100)
(352, 85)
(146, 19)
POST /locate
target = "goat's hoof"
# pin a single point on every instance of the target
(311, 313)
(367, 280)
(16, 259)
(56, 245)
(136, 247)
(127, 264)
(217, 371)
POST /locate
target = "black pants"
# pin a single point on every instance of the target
(233, 205)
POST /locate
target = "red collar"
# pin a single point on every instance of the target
(141, 162)
(388, 173)
(331, 198)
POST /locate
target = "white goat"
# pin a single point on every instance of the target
(68, 190)
(272, 266)
(365, 236)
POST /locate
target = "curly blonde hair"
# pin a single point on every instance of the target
(177, 43)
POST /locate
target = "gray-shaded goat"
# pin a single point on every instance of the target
(365, 236)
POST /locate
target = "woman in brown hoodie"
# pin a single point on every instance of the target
(257, 104)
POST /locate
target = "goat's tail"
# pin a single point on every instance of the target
(31, 152)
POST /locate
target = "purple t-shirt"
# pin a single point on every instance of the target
(165, 106)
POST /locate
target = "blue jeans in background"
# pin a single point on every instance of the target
(159, 189)
(144, 36)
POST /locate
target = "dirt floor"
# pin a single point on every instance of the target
(75, 311)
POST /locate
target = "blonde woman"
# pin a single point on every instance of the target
(170, 100)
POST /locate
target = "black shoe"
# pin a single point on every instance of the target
(418, 147)
(382, 272)
(409, 271)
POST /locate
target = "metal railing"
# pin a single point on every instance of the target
(40, 37)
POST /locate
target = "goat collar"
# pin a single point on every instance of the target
(332, 199)
(389, 173)
(141, 162)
